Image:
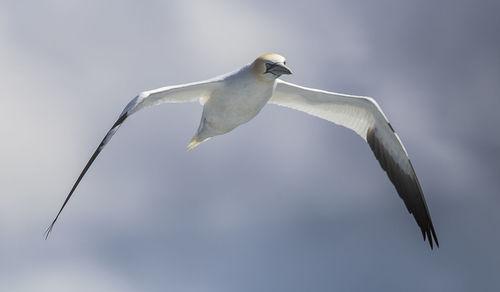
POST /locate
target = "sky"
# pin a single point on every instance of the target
(286, 202)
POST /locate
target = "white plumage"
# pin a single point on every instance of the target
(235, 98)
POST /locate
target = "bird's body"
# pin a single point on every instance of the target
(235, 98)
(239, 99)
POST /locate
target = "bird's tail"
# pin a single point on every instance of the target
(195, 142)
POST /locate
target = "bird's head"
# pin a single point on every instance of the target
(270, 66)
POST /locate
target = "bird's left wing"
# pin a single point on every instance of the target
(190, 92)
(364, 116)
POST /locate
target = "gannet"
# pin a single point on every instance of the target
(235, 98)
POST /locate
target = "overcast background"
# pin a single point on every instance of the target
(286, 202)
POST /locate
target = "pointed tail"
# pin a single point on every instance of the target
(195, 142)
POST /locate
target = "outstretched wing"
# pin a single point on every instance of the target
(364, 116)
(172, 94)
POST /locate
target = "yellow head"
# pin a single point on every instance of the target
(270, 66)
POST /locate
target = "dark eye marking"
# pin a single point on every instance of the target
(269, 66)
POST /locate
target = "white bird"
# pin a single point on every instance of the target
(235, 98)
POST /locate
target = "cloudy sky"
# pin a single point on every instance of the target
(286, 202)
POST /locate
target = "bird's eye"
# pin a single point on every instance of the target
(284, 62)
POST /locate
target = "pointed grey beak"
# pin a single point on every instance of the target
(278, 69)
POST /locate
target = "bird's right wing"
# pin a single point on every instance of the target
(190, 92)
(364, 116)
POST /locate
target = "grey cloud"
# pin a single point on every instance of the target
(286, 202)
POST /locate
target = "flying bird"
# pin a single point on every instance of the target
(235, 98)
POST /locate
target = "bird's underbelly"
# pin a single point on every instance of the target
(226, 112)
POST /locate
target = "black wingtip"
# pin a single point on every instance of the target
(47, 232)
(406, 184)
(430, 235)
(49, 229)
(104, 141)
(434, 236)
(430, 240)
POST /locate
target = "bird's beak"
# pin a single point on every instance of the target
(278, 69)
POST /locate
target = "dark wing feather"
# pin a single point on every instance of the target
(104, 141)
(407, 186)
